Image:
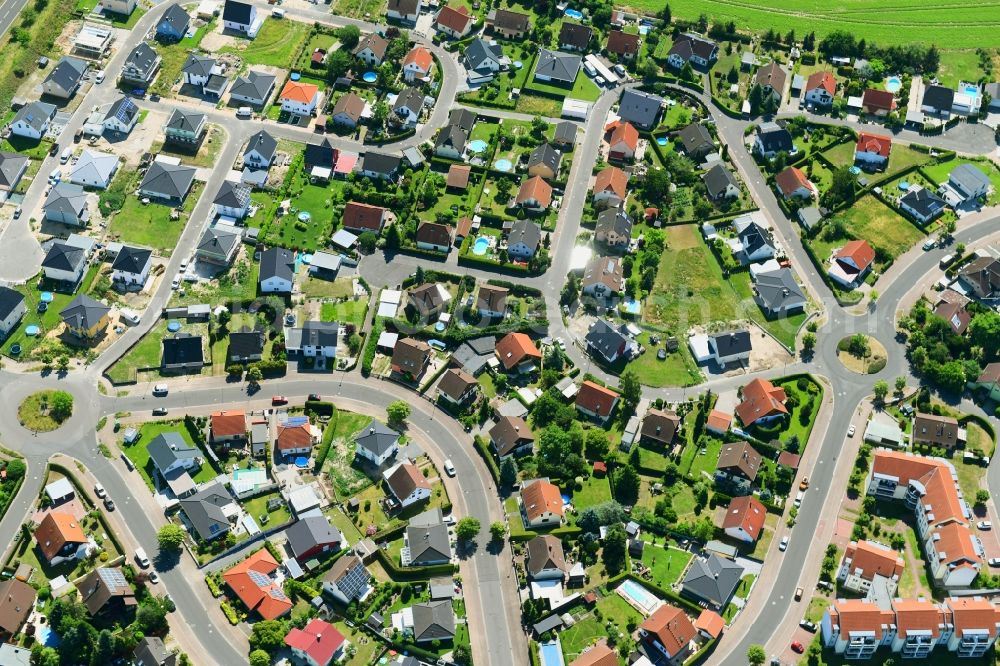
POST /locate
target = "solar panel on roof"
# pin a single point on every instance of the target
(259, 579)
(113, 578)
(297, 421)
(278, 594)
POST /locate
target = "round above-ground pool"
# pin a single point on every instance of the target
(295, 76)
(503, 165)
(855, 170)
(307, 258)
(302, 462)
(518, 64)
(173, 326)
(903, 185)
(480, 246)
(31, 330)
(573, 13)
(46, 297)
(661, 140)
(305, 216)
(439, 326)
(477, 146)
(893, 84)
(370, 77)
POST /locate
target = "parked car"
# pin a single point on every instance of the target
(175, 283)
(100, 491)
(984, 525)
(993, 561)
(99, 78)
(929, 244)
(160, 411)
(850, 431)
(314, 397)
(154, 577)
(279, 400)
(160, 389)
(798, 594)
(109, 504)
(804, 483)
(808, 626)
(797, 647)
(784, 543)
(140, 558)
(449, 469)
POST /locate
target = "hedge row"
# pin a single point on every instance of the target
(398, 573)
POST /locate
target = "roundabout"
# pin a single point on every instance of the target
(45, 411)
(862, 354)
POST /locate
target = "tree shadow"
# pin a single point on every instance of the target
(166, 560)
(466, 549)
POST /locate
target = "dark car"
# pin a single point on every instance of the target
(54, 150)
(314, 397)
(279, 400)
(808, 626)
(160, 411)
(109, 504)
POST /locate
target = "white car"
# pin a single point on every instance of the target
(850, 431)
(994, 561)
(175, 283)
(154, 578)
(784, 543)
(449, 469)
(100, 491)
(984, 525)
(100, 76)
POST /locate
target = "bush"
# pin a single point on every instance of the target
(230, 613)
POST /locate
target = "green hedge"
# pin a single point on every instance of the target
(398, 573)
(483, 448)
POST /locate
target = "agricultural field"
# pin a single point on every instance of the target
(951, 22)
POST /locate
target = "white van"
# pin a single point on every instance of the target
(100, 491)
(244, 112)
(99, 78)
(66, 154)
(278, 13)
(798, 498)
(129, 317)
(160, 389)
(140, 557)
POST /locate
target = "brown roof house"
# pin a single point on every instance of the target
(989, 379)
(534, 194)
(738, 463)
(610, 187)
(517, 352)
(458, 177)
(623, 44)
(59, 537)
(106, 590)
(546, 560)
(660, 426)
(596, 401)
(491, 302)
(453, 21)
(763, 403)
(407, 483)
(541, 504)
(348, 110)
(428, 300)
(16, 601)
(508, 24)
(511, 436)
(434, 236)
(744, 519)
(878, 102)
(410, 358)
(936, 430)
(772, 79)
(603, 277)
(982, 275)
(574, 36)
(457, 386)
(362, 217)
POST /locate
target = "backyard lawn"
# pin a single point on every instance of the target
(900, 159)
(139, 455)
(666, 564)
(594, 491)
(938, 173)
(46, 321)
(347, 479)
(257, 507)
(149, 224)
(345, 312)
(313, 287)
(583, 88)
(677, 369)
(871, 220)
(588, 628)
(288, 231)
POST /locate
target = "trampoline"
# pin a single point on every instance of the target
(477, 146)
(503, 165)
(439, 326)
(518, 64)
(173, 326)
(302, 462)
(32, 330)
(855, 170)
(46, 297)
(370, 77)
(305, 216)
(15, 349)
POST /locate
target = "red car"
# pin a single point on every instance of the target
(279, 400)
(797, 647)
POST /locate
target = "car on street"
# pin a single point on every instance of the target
(314, 397)
(993, 561)
(160, 389)
(784, 543)
(797, 647)
(154, 577)
(808, 626)
(109, 504)
(17, 212)
(279, 400)
(449, 469)
(798, 594)
(160, 411)
(100, 76)
(804, 483)
(984, 525)
(850, 431)
(929, 244)
(175, 283)
(100, 491)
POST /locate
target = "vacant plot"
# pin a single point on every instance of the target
(359, 8)
(871, 220)
(952, 22)
(276, 44)
(150, 225)
(677, 369)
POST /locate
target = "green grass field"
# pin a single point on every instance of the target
(276, 44)
(871, 220)
(583, 88)
(950, 23)
(666, 565)
(588, 629)
(150, 225)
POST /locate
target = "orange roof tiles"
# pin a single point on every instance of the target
(672, 627)
(970, 613)
(859, 252)
(791, 179)
(874, 143)
(320, 640)
(294, 437)
(624, 133)
(539, 497)
(855, 615)
(822, 80)
(874, 559)
(710, 623)
(454, 18)
(761, 398)
(537, 189)
(296, 91)
(955, 543)
(917, 615)
(596, 399)
(250, 580)
(55, 531)
(941, 492)
(515, 348)
(420, 57)
(612, 179)
(229, 423)
(362, 216)
(719, 421)
(746, 512)
(598, 655)
(881, 100)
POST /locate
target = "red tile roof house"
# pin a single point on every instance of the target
(229, 427)
(319, 644)
(596, 401)
(856, 628)
(623, 142)
(718, 422)
(407, 484)
(534, 194)
(597, 655)
(610, 187)
(851, 263)
(863, 560)
(820, 88)
(624, 45)
(541, 504)
(362, 217)
(878, 102)
(295, 440)
(669, 630)
(454, 22)
(872, 150)
(417, 64)
(744, 519)
(793, 184)
(434, 236)
(251, 581)
(763, 403)
(518, 353)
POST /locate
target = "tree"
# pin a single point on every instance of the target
(349, 36)
(756, 655)
(900, 385)
(665, 14)
(984, 332)
(599, 515)
(260, 658)
(392, 239)
(61, 405)
(254, 375)
(380, 113)
(461, 654)
(631, 389)
(881, 389)
(497, 530)
(398, 411)
(982, 497)
(808, 342)
(626, 484)
(151, 617)
(503, 188)
(467, 528)
(508, 472)
(657, 187)
(104, 651)
(44, 656)
(650, 70)
(857, 345)
(841, 186)
(62, 363)
(613, 553)
(170, 537)
(338, 63)
(367, 242)
(597, 444)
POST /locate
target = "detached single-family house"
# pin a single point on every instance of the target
(167, 181)
(771, 78)
(434, 236)
(557, 67)
(879, 103)
(186, 127)
(851, 263)
(670, 633)
(545, 559)
(348, 579)
(85, 318)
(640, 108)
(198, 69)
(491, 302)
(376, 443)
(245, 346)
(820, 88)
(534, 194)
(241, 17)
(610, 187)
(966, 183)
(299, 99)
(428, 300)
(121, 116)
(218, 246)
(574, 36)
(720, 183)
(455, 22)
(371, 49)
(407, 484)
(523, 240)
(625, 45)
(457, 386)
(174, 24)
(12, 310)
(762, 402)
(169, 452)
(792, 183)
(253, 89)
(511, 436)
(32, 120)
(348, 111)
(277, 271)
(623, 142)
(17, 602)
(712, 580)
(756, 241)
(410, 358)
(982, 276)
(938, 101)
(12, 168)
(362, 217)
(141, 65)
(209, 511)
(252, 581)
(744, 519)
(935, 430)
(518, 353)
(260, 150)
(483, 60)
(66, 203)
(426, 540)
(65, 78)
(777, 293)
(295, 439)
(403, 10)
(417, 64)
(232, 200)
(507, 24)
(729, 347)
(541, 504)
(64, 262)
(872, 150)
(922, 204)
(696, 141)
(606, 342)
(614, 229)
(183, 352)
(319, 643)
(433, 621)
(739, 463)
(544, 161)
(596, 401)
(380, 165)
(407, 107)
(692, 48)
(772, 139)
(59, 537)
(316, 339)
(94, 169)
(120, 7)
(228, 427)
(603, 277)
(131, 266)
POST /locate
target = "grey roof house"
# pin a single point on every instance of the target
(67, 204)
(377, 442)
(253, 88)
(713, 580)
(12, 168)
(557, 67)
(208, 510)
(642, 109)
(426, 540)
(720, 183)
(777, 293)
(167, 181)
(433, 620)
(65, 78)
(218, 245)
(141, 66)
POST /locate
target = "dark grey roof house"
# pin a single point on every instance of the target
(141, 66)
(777, 292)
(697, 140)
(558, 67)
(642, 109)
(544, 161)
(65, 77)
(183, 351)
(205, 511)
(720, 182)
(167, 181)
(433, 620)
(713, 580)
(12, 167)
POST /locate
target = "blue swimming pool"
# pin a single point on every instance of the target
(295, 76)
(302, 462)
(370, 77)
(970, 89)
(632, 306)
(477, 146)
(503, 165)
(641, 598)
(32, 330)
(305, 216)
(661, 140)
(518, 64)
(573, 14)
(173, 326)
(46, 297)
(307, 258)
(551, 654)
(904, 186)
(481, 245)
(893, 84)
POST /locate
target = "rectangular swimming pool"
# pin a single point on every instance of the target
(551, 653)
(639, 597)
